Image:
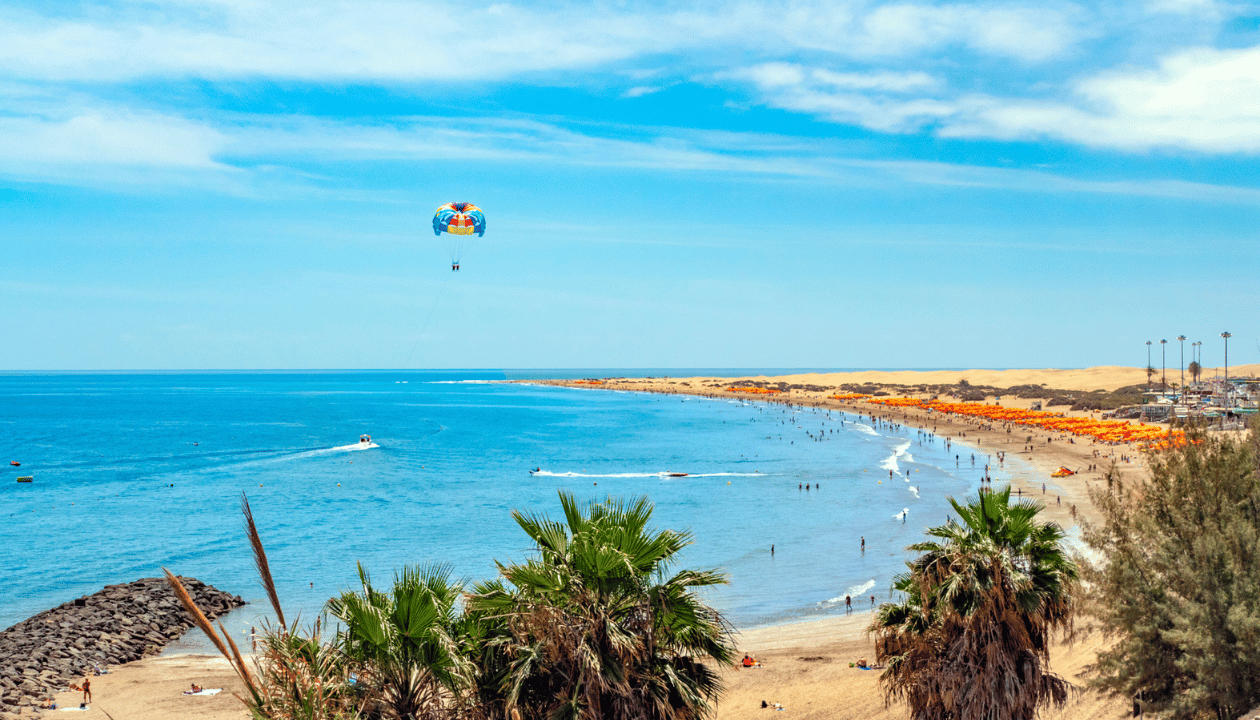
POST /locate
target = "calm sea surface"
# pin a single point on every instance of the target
(134, 472)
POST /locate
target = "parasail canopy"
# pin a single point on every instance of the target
(458, 218)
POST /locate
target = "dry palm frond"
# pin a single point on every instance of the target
(199, 618)
(260, 560)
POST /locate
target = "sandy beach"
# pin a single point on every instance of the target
(806, 665)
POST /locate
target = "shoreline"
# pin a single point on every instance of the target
(805, 662)
(1033, 468)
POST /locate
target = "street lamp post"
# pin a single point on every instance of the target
(1163, 364)
(1182, 338)
(1227, 336)
(1148, 366)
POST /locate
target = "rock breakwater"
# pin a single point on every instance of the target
(119, 624)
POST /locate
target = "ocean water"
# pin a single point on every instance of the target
(135, 472)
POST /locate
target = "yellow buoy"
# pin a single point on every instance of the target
(728, 482)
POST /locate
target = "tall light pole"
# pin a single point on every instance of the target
(1148, 366)
(1163, 364)
(1182, 338)
(1227, 336)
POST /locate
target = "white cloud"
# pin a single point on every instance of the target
(1028, 34)
(875, 100)
(97, 139)
(641, 90)
(435, 41)
(251, 154)
(1204, 100)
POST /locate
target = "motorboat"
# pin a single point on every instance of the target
(365, 439)
(676, 474)
(15, 463)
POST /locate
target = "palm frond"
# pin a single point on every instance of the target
(260, 560)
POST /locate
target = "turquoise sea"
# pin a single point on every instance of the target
(139, 471)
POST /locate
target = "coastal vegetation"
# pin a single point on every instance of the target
(404, 644)
(597, 622)
(971, 635)
(595, 625)
(1178, 582)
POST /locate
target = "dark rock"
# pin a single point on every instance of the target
(119, 624)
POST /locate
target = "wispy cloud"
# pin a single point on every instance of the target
(235, 153)
(1202, 99)
(433, 41)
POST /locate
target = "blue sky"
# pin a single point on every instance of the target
(249, 184)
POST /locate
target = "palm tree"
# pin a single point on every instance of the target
(405, 644)
(594, 626)
(970, 638)
(1195, 369)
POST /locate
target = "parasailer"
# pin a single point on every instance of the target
(457, 221)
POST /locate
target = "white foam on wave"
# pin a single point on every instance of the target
(661, 474)
(914, 490)
(855, 591)
(859, 589)
(863, 428)
(901, 515)
(890, 463)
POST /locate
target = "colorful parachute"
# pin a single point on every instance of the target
(457, 221)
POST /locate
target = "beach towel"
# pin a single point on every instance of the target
(207, 691)
(72, 709)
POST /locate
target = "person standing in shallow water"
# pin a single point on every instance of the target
(848, 604)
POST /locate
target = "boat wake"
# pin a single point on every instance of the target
(336, 450)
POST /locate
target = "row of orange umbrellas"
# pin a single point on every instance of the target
(1108, 431)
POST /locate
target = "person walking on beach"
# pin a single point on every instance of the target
(848, 604)
(87, 689)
